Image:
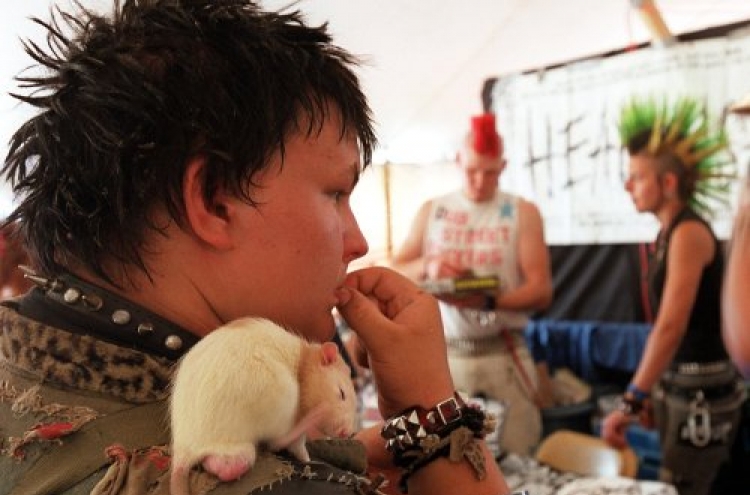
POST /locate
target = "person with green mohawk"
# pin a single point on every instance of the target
(685, 383)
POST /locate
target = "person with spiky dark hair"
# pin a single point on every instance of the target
(685, 382)
(191, 163)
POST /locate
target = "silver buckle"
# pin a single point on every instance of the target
(451, 407)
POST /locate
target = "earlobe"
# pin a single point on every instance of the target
(208, 218)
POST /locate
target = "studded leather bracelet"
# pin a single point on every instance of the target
(452, 429)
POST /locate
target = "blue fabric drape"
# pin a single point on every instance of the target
(587, 346)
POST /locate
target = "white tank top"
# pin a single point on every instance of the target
(482, 237)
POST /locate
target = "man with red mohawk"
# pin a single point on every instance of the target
(481, 231)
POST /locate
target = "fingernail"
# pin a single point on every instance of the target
(344, 295)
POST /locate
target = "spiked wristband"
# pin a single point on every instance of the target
(407, 430)
(418, 436)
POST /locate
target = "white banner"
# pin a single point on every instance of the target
(561, 138)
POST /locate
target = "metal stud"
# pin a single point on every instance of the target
(43, 282)
(414, 418)
(407, 439)
(121, 317)
(400, 423)
(145, 329)
(72, 295)
(173, 342)
(92, 301)
(37, 280)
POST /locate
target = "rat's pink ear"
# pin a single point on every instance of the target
(329, 353)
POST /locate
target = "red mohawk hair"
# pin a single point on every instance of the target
(484, 137)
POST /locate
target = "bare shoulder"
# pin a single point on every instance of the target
(424, 208)
(422, 214)
(692, 231)
(529, 213)
(527, 207)
(412, 246)
(692, 239)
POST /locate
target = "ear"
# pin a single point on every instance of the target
(669, 183)
(208, 219)
(503, 163)
(329, 353)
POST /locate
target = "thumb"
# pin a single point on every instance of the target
(361, 314)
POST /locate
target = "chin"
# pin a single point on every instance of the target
(321, 330)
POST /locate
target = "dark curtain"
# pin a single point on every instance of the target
(597, 282)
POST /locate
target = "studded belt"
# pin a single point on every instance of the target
(694, 368)
(707, 393)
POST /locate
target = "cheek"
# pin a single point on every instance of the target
(320, 231)
(637, 189)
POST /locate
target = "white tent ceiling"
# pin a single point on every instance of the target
(427, 59)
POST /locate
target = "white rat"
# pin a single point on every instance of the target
(252, 382)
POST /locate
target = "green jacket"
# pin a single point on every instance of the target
(82, 416)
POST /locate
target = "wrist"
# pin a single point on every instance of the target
(451, 429)
(633, 401)
(636, 393)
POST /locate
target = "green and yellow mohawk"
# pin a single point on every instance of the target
(682, 129)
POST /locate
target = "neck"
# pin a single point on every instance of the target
(667, 213)
(158, 295)
(182, 284)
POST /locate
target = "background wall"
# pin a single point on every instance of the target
(560, 128)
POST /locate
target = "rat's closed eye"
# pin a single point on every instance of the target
(342, 393)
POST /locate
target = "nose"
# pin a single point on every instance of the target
(478, 179)
(355, 244)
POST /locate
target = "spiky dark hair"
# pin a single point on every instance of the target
(127, 99)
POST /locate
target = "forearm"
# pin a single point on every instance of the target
(527, 297)
(445, 477)
(660, 349)
(401, 328)
(441, 476)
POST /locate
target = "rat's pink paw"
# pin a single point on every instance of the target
(225, 467)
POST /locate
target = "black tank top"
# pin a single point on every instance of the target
(702, 341)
